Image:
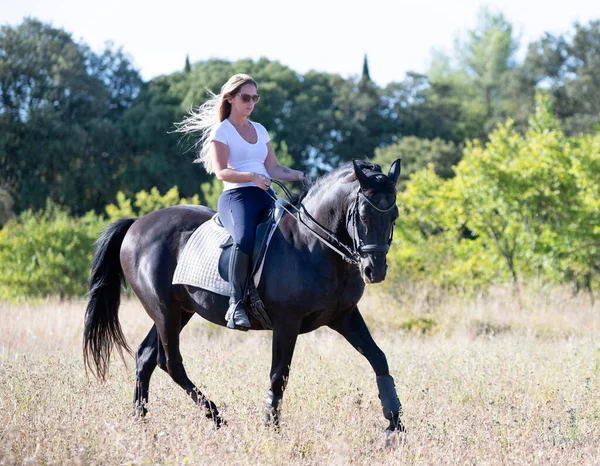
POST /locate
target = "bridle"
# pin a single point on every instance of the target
(359, 248)
(368, 248)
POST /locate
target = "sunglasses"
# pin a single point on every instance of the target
(247, 97)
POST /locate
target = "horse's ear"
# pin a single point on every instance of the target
(362, 178)
(394, 173)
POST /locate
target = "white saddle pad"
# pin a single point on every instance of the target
(199, 262)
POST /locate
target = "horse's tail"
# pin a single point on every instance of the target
(102, 330)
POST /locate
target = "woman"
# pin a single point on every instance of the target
(238, 151)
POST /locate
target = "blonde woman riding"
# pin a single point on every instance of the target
(238, 151)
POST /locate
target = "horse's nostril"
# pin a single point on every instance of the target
(369, 273)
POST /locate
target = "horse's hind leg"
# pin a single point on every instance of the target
(145, 363)
(150, 354)
(168, 330)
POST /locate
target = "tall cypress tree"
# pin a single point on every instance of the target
(366, 77)
(187, 68)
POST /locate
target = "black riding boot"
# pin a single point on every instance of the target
(239, 265)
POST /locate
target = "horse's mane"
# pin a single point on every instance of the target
(344, 173)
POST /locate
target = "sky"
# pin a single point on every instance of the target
(323, 35)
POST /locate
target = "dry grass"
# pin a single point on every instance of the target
(484, 381)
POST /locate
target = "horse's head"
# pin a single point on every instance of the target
(371, 217)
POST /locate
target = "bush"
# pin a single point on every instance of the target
(50, 253)
(521, 206)
(146, 202)
(47, 253)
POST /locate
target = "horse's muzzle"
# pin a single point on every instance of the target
(373, 271)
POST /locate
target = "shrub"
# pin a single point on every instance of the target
(520, 206)
(47, 253)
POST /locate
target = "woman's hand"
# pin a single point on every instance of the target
(261, 181)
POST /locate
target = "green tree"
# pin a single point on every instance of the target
(59, 137)
(486, 56)
(6, 207)
(366, 76)
(417, 154)
(520, 206)
(470, 83)
(308, 124)
(211, 191)
(113, 67)
(361, 123)
(569, 67)
(158, 157)
(430, 243)
(406, 106)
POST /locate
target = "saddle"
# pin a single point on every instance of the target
(212, 243)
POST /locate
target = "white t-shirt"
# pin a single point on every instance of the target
(243, 156)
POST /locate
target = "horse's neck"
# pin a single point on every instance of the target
(329, 206)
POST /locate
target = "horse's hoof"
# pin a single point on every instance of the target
(395, 438)
(211, 412)
(139, 412)
(272, 422)
(219, 422)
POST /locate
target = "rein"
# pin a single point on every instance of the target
(352, 256)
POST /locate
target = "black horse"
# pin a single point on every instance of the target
(305, 283)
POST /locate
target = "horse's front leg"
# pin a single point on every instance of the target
(284, 342)
(352, 326)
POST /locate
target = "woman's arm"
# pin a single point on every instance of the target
(279, 172)
(219, 154)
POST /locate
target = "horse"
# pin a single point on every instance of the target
(312, 277)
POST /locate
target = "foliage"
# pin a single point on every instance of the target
(568, 65)
(470, 83)
(520, 206)
(48, 253)
(157, 157)
(77, 126)
(6, 206)
(361, 122)
(60, 108)
(417, 153)
(211, 191)
(146, 202)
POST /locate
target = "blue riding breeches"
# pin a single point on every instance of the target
(240, 210)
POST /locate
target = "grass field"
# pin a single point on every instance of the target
(486, 380)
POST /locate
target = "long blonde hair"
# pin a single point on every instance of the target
(212, 112)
